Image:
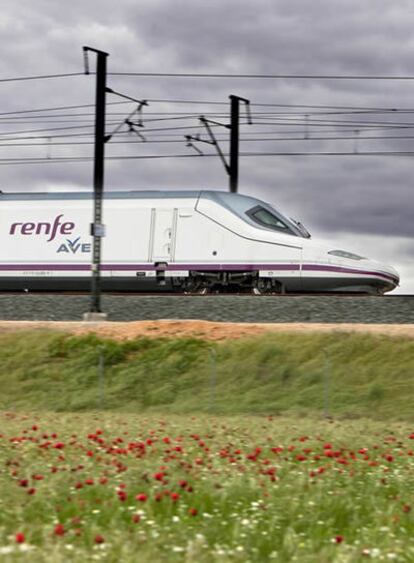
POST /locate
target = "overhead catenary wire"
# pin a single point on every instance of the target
(221, 103)
(315, 123)
(290, 119)
(278, 105)
(264, 76)
(58, 108)
(16, 161)
(41, 77)
(164, 133)
(294, 117)
(242, 139)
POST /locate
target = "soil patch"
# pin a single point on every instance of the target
(206, 330)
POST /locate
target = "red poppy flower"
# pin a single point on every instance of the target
(59, 530)
(99, 538)
(122, 495)
(142, 497)
(19, 537)
(192, 511)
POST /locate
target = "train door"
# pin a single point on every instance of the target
(163, 229)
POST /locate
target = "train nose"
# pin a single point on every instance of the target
(387, 276)
(365, 274)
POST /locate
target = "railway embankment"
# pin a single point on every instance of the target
(332, 373)
(398, 309)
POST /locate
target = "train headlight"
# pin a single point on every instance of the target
(345, 254)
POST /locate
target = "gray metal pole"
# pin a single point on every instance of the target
(213, 374)
(234, 143)
(326, 389)
(98, 180)
(97, 228)
(101, 372)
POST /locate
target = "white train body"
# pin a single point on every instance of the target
(192, 241)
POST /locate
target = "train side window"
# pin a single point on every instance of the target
(266, 219)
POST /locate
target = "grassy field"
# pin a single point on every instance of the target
(286, 447)
(338, 374)
(125, 487)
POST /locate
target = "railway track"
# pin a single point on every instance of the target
(392, 309)
(130, 294)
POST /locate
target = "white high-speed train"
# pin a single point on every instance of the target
(192, 241)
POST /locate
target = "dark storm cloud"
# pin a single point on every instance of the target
(290, 36)
(370, 195)
(352, 194)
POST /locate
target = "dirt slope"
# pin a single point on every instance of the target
(197, 328)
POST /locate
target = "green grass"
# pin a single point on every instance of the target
(217, 489)
(172, 419)
(337, 374)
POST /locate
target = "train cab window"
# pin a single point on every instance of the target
(267, 219)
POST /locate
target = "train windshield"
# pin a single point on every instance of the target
(266, 218)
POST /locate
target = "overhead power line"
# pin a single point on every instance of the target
(75, 159)
(219, 75)
(282, 122)
(58, 108)
(292, 116)
(263, 76)
(210, 102)
(41, 77)
(242, 139)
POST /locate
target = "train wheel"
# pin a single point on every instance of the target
(200, 291)
(267, 286)
(194, 286)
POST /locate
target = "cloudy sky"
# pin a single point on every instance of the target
(362, 202)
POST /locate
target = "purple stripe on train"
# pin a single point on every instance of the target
(205, 267)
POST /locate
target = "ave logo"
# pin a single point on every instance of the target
(74, 247)
(51, 231)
